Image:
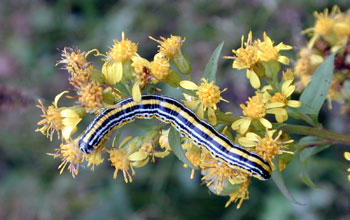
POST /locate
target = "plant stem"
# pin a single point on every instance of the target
(317, 132)
(332, 137)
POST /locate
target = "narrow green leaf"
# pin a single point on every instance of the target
(316, 92)
(277, 178)
(211, 67)
(175, 144)
(304, 156)
(307, 180)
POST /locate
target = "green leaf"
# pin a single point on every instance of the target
(211, 67)
(277, 178)
(175, 144)
(316, 92)
(304, 156)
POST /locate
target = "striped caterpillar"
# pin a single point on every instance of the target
(185, 121)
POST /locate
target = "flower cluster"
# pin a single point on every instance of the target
(330, 33)
(97, 88)
(123, 72)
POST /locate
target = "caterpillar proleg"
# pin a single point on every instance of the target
(171, 111)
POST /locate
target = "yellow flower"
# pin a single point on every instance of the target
(169, 46)
(164, 141)
(112, 71)
(347, 157)
(76, 64)
(193, 154)
(91, 97)
(171, 49)
(240, 195)
(246, 57)
(256, 108)
(209, 95)
(119, 160)
(306, 64)
(160, 68)
(142, 72)
(324, 27)
(118, 59)
(56, 119)
(268, 52)
(267, 147)
(94, 158)
(142, 155)
(123, 50)
(342, 26)
(70, 154)
(217, 173)
(281, 100)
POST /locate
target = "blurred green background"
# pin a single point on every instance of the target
(32, 34)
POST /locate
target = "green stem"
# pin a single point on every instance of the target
(317, 132)
(332, 137)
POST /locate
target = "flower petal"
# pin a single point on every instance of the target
(294, 103)
(138, 164)
(246, 142)
(289, 91)
(275, 105)
(137, 156)
(347, 155)
(58, 98)
(253, 79)
(211, 116)
(200, 111)
(186, 84)
(245, 125)
(265, 122)
(283, 59)
(136, 92)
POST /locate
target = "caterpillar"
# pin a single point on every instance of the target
(185, 121)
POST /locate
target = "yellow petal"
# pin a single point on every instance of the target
(285, 85)
(283, 59)
(246, 142)
(58, 98)
(186, 84)
(113, 72)
(212, 116)
(294, 103)
(235, 125)
(265, 122)
(252, 136)
(275, 105)
(347, 155)
(282, 46)
(137, 156)
(69, 113)
(138, 164)
(280, 118)
(200, 111)
(192, 104)
(253, 79)
(162, 154)
(316, 60)
(245, 125)
(68, 131)
(277, 111)
(72, 122)
(136, 92)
